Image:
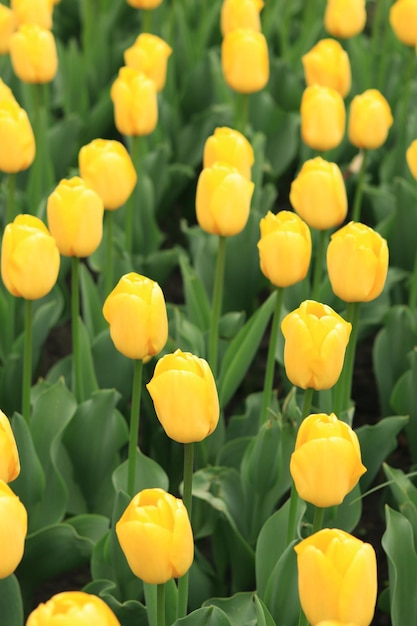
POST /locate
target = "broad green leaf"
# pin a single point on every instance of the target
(404, 401)
(91, 303)
(88, 377)
(207, 616)
(113, 369)
(281, 594)
(92, 527)
(243, 608)
(11, 605)
(129, 613)
(196, 300)
(148, 474)
(401, 486)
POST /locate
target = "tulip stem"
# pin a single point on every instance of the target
(160, 604)
(318, 264)
(130, 205)
(75, 312)
(146, 20)
(270, 363)
(217, 305)
(27, 361)
(187, 499)
(134, 426)
(109, 253)
(318, 519)
(356, 211)
(241, 111)
(352, 316)
(10, 199)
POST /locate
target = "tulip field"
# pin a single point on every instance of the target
(208, 313)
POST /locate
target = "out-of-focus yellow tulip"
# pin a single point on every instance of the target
(315, 344)
(323, 117)
(370, 119)
(149, 54)
(245, 60)
(73, 608)
(8, 25)
(156, 537)
(29, 258)
(13, 529)
(33, 54)
(318, 194)
(105, 165)
(33, 12)
(357, 263)
(237, 14)
(403, 20)
(327, 64)
(9, 456)
(144, 4)
(337, 578)
(185, 397)
(284, 248)
(5, 91)
(326, 463)
(17, 140)
(345, 18)
(137, 315)
(135, 102)
(332, 622)
(411, 156)
(229, 146)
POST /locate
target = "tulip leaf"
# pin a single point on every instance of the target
(401, 486)
(88, 377)
(11, 605)
(281, 594)
(404, 400)
(148, 474)
(91, 303)
(196, 300)
(113, 369)
(206, 616)
(129, 613)
(183, 334)
(243, 608)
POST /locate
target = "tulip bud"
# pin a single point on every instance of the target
(13, 529)
(357, 262)
(9, 456)
(337, 578)
(155, 535)
(33, 54)
(144, 4)
(29, 258)
(73, 608)
(323, 118)
(149, 54)
(106, 167)
(223, 200)
(284, 248)
(185, 397)
(327, 64)
(370, 119)
(411, 156)
(17, 140)
(75, 217)
(332, 622)
(33, 12)
(231, 147)
(326, 463)
(136, 312)
(403, 20)
(240, 14)
(7, 27)
(318, 194)
(135, 102)
(345, 18)
(315, 343)
(245, 61)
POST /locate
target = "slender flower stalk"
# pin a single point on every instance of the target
(109, 253)
(318, 264)
(357, 202)
(318, 519)
(270, 363)
(130, 205)
(77, 385)
(241, 111)
(187, 499)
(217, 305)
(27, 360)
(342, 391)
(160, 605)
(134, 426)
(10, 199)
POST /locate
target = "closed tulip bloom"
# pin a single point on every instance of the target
(29, 258)
(33, 12)
(185, 397)
(155, 535)
(284, 248)
(328, 65)
(332, 622)
(17, 139)
(323, 117)
(13, 529)
(75, 217)
(370, 119)
(403, 20)
(223, 200)
(9, 456)
(357, 263)
(345, 18)
(8, 25)
(318, 194)
(137, 315)
(144, 4)
(411, 156)
(33, 54)
(105, 165)
(315, 343)
(73, 608)
(237, 14)
(231, 147)
(135, 102)
(326, 463)
(337, 578)
(149, 54)
(245, 60)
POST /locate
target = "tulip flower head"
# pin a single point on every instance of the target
(185, 397)
(345, 18)
(337, 578)
(149, 54)
(155, 535)
(33, 12)
(8, 25)
(315, 343)
(33, 54)
(403, 20)
(327, 64)
(9, 456)
(229, 146)
(17, 139)
(323, 117)
(332, 622)
(144, 4)
(13, 529)
(411, 156)
(370, 119)
(135, 102)
(73, 608)
(238, 14)
(245, 60)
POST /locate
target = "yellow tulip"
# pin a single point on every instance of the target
(155, 535)
(105, 165)
(29, 258)
(326, 463)
(327, 64)
(149, 54)
(33, 54)
(323, 117)
(370, 119)
(245, 60)
(185, 397)
(231, 147)
(136, 312)
(73, 608)
(8, 25)
(9, 456)
(237, 14)
(411, 156)
(135, 102)
(144, 4)
(5, 91)
(357, 263)
(33, 12)
(403, 20)
(315, 343)
(345, 18)
(337, 578)
(284, 248)
(13, 529)
(75, 217)
(223, 200)
(17, 139)
(332, 622)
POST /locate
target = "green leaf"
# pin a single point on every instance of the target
(11, 605)
(148, 474)
(92, 527)
(91, 303)
(404, 401)
(207, 616)
(88, 376)
(30, 483)
(113, 369)
(129, 613)
(281, 594)
(243, 608)
(196, 300)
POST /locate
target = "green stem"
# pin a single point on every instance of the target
(130, 205)
(352, 317)
(318, 264)
(356, 211)
(146, 20)
(412, 300)
(77, 385)
(270, 363)
(217, 305)
(134, 426)
(187, 499)
(302, 620)
(160, 603)
(241, 111)
(109, 253)
(27, 361)
(318, 519)
(10, 199)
